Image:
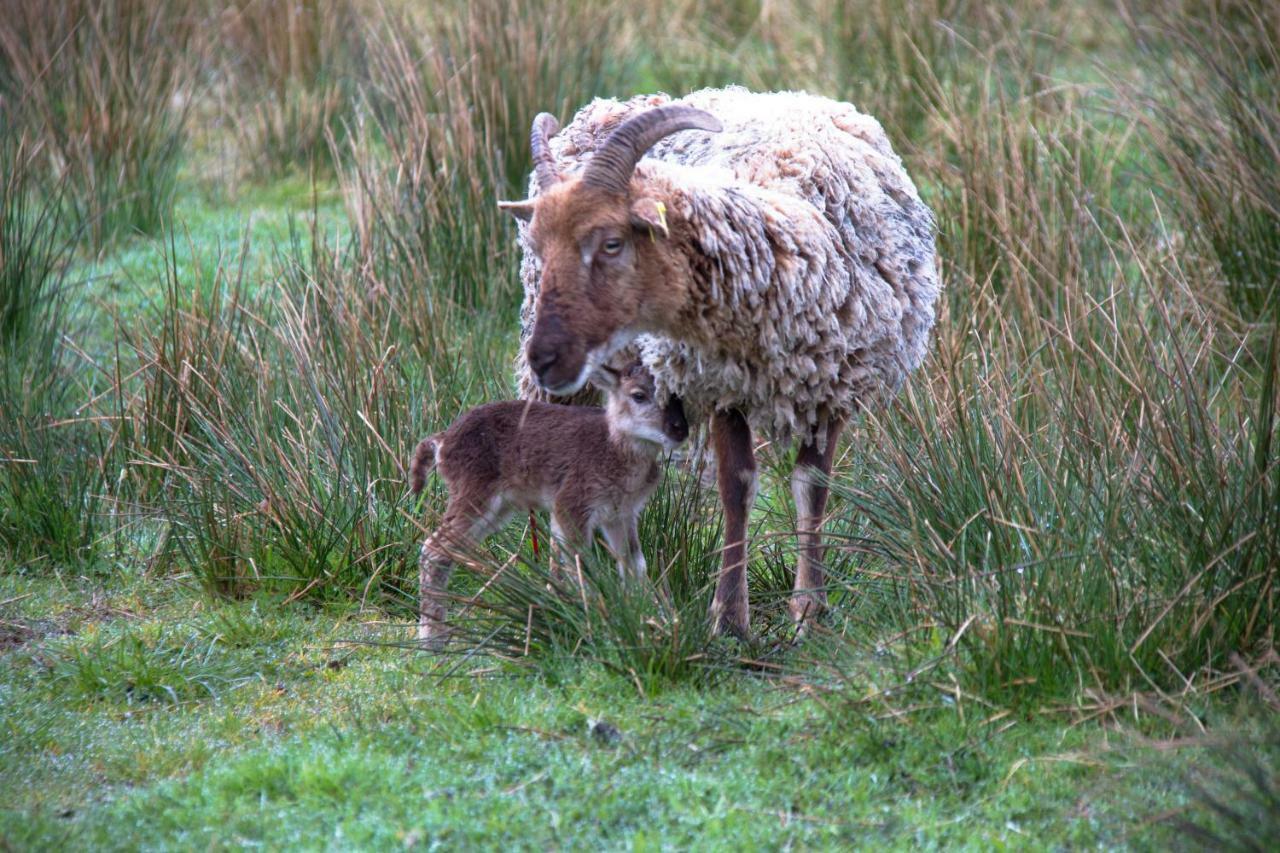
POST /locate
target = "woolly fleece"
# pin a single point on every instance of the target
(814, 258)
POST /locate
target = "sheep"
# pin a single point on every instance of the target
(769, 259)
(594, 469)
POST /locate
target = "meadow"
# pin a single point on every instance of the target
(250, 253)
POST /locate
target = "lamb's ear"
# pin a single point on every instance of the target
(650, 213)
(605, 378)
(519, 209)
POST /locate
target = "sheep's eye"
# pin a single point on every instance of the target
(639, 397)
(612, 246)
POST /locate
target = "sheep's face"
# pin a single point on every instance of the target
(601, 279)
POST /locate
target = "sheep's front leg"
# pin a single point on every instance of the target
(736, 478)
(810, 490)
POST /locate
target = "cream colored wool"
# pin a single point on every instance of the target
(818, 272)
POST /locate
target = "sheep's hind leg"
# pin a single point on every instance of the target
(810, 490)
(736, 478)
(436, 561)
(435, 565)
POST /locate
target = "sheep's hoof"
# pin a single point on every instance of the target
(730, 622)
(806, 610)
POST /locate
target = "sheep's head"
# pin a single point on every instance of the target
(601, 239)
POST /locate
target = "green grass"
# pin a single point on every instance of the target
(207, 224)
(299, 727)
(1054, 572)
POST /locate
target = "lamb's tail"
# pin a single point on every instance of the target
(424, 459)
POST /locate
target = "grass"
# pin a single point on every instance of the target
(105, 87)
(363, 745)
(1054, 557)
(291, 74)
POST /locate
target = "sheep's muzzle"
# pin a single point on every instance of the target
(557, 358)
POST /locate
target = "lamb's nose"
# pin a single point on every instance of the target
(541, 359)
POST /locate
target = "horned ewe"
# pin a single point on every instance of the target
(770, 259)
(593, 469)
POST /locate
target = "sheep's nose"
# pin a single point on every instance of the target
(541, 359)
(677, 425)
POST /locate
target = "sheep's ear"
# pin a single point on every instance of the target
(605, 378)
(522, 210)
(650, 213)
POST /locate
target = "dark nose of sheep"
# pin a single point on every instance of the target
(541, 359)
(675, 424)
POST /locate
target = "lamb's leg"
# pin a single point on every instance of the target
(568, 533)
(736, 478)
(809, 489)
(623, 537)
(464, 522)
(435, 565)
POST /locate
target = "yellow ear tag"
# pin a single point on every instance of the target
(662, 219)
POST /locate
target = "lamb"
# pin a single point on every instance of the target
(593, 469)
(770, 260)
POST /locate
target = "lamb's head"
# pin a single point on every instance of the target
(602, 239)
(633, 409)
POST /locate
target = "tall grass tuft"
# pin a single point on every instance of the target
(1214, 122)
(451, 104)
(282, 422)
(51, 473)
(292, 71)
(1080, 491)
(271, 421)
(105, 88)
(32, 247)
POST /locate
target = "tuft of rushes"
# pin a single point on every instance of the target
(1080, 492)
(291, 73)
(32, 249)
(105, 87)
(282, 424)
(1214, 123)
(51, 460)
(446, 136)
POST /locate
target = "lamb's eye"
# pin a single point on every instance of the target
(612, 246)
(639, 397)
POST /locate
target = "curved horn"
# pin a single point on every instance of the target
(611, 166)
(545, 126)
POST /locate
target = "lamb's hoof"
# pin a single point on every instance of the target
(432, 638)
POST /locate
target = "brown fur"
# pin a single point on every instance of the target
(588, 294)
(736, 479)
(594, 469)
(424, 459)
